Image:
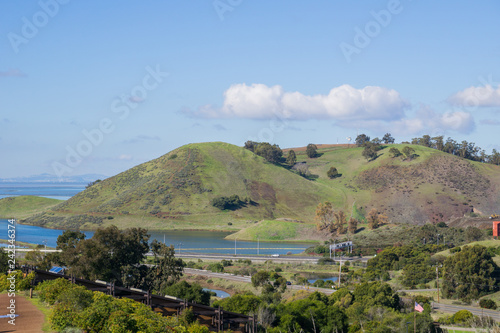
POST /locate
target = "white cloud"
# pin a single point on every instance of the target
(259, 101)
(425, 121)
(486, 96)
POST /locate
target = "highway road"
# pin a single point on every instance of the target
(248, 279)
(448, 308)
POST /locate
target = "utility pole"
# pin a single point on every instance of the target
(340, 271)
(437, 280)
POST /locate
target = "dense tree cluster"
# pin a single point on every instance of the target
(117, 256)
(272, 153)
(232, 202)
(371, 147)
(415, 261)
(470, 274)
(464, 149)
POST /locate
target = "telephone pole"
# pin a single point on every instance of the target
(437, 280)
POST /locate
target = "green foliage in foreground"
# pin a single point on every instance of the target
(470, 274)
(371, 307)
(76, 307)
(7, 281)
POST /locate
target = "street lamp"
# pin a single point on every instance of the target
(407, 323)
(438, 240)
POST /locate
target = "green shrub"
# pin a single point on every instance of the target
(49, 291)
(462, 316)
(216, 267)
(233, 202)
(488, 304)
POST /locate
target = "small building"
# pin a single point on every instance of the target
(496, 229)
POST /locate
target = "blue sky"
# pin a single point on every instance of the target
(98, 87)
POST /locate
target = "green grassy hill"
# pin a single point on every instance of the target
(433, 187)
(24, 206)
(175, 191)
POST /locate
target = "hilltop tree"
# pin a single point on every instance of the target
(250, 145)
(332, 173)
(470, 274)
(272, 153)
(291, 159)
(93, 183)
(394, 152)
(438, 142)
(409, 152)
(362, 139)
(494, 158)
(369, 153)
(388, 138)
(311, 150)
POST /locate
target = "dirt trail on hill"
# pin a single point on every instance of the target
(29, 319)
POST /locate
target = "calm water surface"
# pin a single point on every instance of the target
(183, 241)
(61, 191)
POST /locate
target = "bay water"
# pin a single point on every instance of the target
(183, 241)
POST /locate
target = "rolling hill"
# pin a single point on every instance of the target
(175, 190)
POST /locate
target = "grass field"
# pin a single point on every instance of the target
(24, 206)
(277, 231)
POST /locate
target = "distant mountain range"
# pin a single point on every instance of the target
(48, 178)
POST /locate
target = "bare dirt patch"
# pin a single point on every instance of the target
(30, 319)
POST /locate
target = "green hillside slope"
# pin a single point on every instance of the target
(432, 187)
(175, 191)
(24, 206)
